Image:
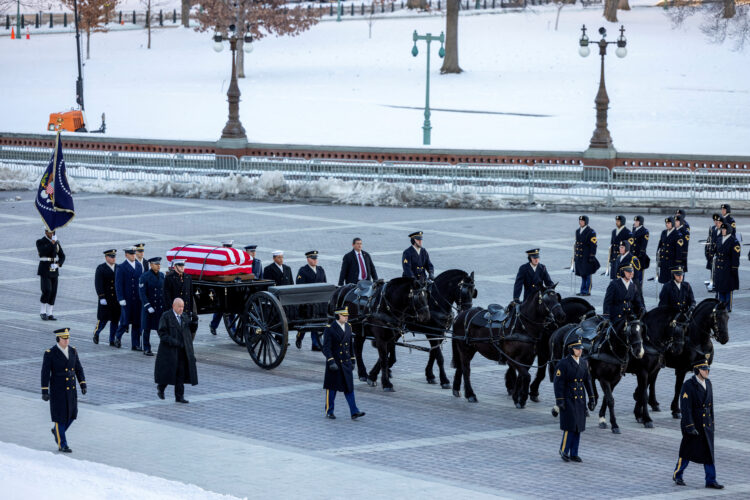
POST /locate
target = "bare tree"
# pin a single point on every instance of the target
(560, 4)
(185, 13)
(374, 6)
(92, 15)
(610, 10)
(722, 20)
(151, 6)
(623, 5)
(417, 4)
(450, 61)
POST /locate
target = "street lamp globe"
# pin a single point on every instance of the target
(621, 52)
(247, 46)
(583, 43)
(584, 50)
(218, 44)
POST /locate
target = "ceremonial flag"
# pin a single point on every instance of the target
(54, 200)
(205, 260)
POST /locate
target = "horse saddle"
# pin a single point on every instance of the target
(587, 330)
(493, 317)
(364, 293)
(365, 289)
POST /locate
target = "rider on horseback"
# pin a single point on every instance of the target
(622, 298)
(677, 294)
(416, 260)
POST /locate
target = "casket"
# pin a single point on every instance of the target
(210, 261)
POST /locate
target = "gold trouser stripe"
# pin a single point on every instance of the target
(96, 328)
(327, 404)
(565, 440)
(57, 433)
(731, 299)
(679, 464)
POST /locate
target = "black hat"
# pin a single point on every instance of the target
(584, 218)
(669, 219)
(680, 212)
(140, 247)
(130, 250)
(62, 333)
(639, 218)
(677, 271)
(312, 254)
(702, 364)
(111, 252)
(154, 260)
(575, 342)
(679, 218)
(621, 218)
(726, 207)
(534, 252)
(724, 225)
(628, 268)
(626, 244)
(717, 217)
(250, 248)
(417, 235)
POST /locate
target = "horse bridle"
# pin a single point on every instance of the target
(626, 342)
(713, 327)
(465, 288)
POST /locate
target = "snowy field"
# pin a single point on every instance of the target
(524, 85)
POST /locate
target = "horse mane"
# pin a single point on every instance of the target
(401, 281)
(660, 316)
(578, 300)
(450, 273)
(711, 302)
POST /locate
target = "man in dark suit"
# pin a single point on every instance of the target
(531, 276)
(584, 254)
(311, 273)
(339, 353)
(127, 275)
(357, 265)
(175, 361)
(108, 309)
(257, 264)
(51, 259)
(277, 271)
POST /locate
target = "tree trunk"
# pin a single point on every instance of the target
(559, 9)
(416, 4)
(729, 9)
(623, 5)
(240, 58)
(88, 44)
(450, 62)
(185, 13)
(610, 10)
(148, 23)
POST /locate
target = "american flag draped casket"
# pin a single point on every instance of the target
(206, 260)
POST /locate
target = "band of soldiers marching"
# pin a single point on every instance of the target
(136, 296)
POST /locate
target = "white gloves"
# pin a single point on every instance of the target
(123, 302)
(607, 273)
(151, 310)
(54, 237)
(52, 267)
(103, 302)
(573, 268)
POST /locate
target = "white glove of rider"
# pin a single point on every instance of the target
(122, 303)
(151, 310)
(607, 273)
(572, 268)
(103, 302)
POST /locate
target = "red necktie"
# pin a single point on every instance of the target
(362, 266)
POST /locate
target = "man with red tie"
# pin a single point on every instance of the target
(357, 265)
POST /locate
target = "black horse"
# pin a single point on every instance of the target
(513, 341)
(664, 333)
(380, 311)
(710, 320)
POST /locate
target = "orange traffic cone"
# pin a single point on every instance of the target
(12, 33)
(28, 36)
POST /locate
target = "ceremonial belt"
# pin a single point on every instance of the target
(48, 259)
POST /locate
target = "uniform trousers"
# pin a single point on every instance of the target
(59, 431)
(112, 328)
(125, 319)
(726, 298)
(569, 444)
(331, 396)
(586, 284)
(215, 320)
(49, 290)
(145, 332)
(709, 469)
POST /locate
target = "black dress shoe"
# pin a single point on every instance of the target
(136, 349)
(96, 338)
(54, 434)
(118, 343)
(52, 318)
(331, 416)
(316, 348)
(112, 344)
(298, 341)
(148, 353)
(679, 482)
(160, 393)
(213, 330)
(576, 458)
(715, 486)
(43, 316)
(182, 400)
(65, 449)
(565, 457)
(357, 415)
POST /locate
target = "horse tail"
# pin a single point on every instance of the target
(454, 342)
(454, 348)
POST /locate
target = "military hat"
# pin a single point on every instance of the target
(702, 365)
(130, 250)
(250, 248)
(154, 260)
(277, 253)
(342, 312)
(139, 247)
(626, 244)
(724, 225)
(417, 235)
(534, 252)
(639, 218)
(312, 254)
(584, 218)
(717, 216)
(227, 243)
(111, 252)
(679, 218)
(677, 271)
(670, 219)
(680, 212)
(726, 207)
(62, 333)
(627, 268)
(621, 218)
(576, 342)
(178, 262)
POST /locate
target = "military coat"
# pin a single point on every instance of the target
(339, 348)
(272, 272)
(640, 245)
(697, 408)
(726, 274)
(50, 252)
(669, 253)
(530, 280)
(619, 301)
(617, 237)
(151, 291)
(416, 265)
(59, 381)
(680, 298)
(104, 282)
(584, 252)
(572, 383)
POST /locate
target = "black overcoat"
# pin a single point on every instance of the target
(174, 337)
(640, 245)
(530, 281)
(681, 298)
(50, 251)
(584, 252)
(180, 286)
(614, 246)
(669, 253)
(59, 381)
(697, 407)
(572, 384)
(416, 265)
(726, 273)
(104, 282)
(338, 346)
(151, 292)
(350, 268)
(272, 272)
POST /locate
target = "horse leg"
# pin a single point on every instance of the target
(444, 381)
(648, 423)
(652, 390)
(510, 380)
(391, 357)
(679, 377)
(611, 403)
(637, 397)
(468, 390)
(359, 342)
(540, 371)
(521, 392)
(372, 377)
(605, 402)
(428, 373)
(385, 379)
(457, 361)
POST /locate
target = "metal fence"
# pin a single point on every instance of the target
(538, 183)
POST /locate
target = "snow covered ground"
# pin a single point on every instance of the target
(28, 474)
(524, 85)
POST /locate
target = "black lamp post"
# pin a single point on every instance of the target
(601, 140)
(233, 130)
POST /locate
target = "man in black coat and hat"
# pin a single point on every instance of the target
(277, 271)
(697, 407)
(584, 255)
(108, 309)
(531, 277)
(51, 259)
(175, 361)
(340, 361)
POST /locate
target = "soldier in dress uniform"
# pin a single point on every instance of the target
(677, 294)
(714, 235)
(178, 284)
(572, 384)
(638, 247)
(278, 271)
(415, 260)
(257, 264)
(311, 273)
(619, 234)
(584, 254)
(60, 369)
(140, 259)
(668, 251)
(127, 275)
(697, 424)
(151, 291)
(51, 259)
(531, 277)
(626, 258)
(681, 213)
(108, 309)
(622, 298)
(339, 352)
(216, 318)
(726, 214)
(726, 274)
(682, 251)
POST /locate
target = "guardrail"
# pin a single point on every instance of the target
(530, 183)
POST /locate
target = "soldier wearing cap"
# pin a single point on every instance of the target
(572, 384)
(626, 258)
(639, 245)
(622, 298)
(51, 259)
(668, 252)
(726, 273)
(60, 369)
(585, 262)
(619, 234)
(697, 424)
(127, 275)
(340, 361)
(726, 214)
(677, 294)
(531, 277)
(682, 251)
(714, 236)
(108, 309)
(277, 271)
(140, 260)
(257, 264)
(178, 284)
(415, 260)
(311, 273)
(151, 291)
(681, 214)
(217, 317)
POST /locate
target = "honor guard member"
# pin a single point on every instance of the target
(257, 264)
(140, 249)
(415, 259)
(726, 274)
(681, 213)
(60, 369)
(177, 284)
(714, 234)
(572, 384)
(584, 254)
(277, 271)
(357, 265)
(626, 258)
(682, 251)
(697, 408)
(127, 275)
(622, 298)
(677, 294)
(339, 353)
(217, 317)
(51, 259)
(726, 214)
(311, 273)
(619, 234)
(151, 290)
(667, 253)
(108, 309)
(531, 277)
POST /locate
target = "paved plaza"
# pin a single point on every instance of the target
(258, 434)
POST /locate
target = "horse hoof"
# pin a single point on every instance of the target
(447, 385)
(648, 425)
(510, 393)
(389, 389)
(602, 425)
(371, 383)
(655, 408)
(676, 414)
(639, 420)
(520, 406)
(431, 381)
(534, 398)
(471, 399)
(363, 379)
(457, 393)
(615, 430)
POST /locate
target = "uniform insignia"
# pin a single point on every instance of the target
(687, 237)
(406, 261)
(593, 240)
(646, 236)
(631, 240)
(299, 276)
(47, 350)
(708, 356)
(737, 249)
(680, 242)
(734, 224)
(684, 396)
(556, 374)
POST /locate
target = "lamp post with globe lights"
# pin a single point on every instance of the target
(429, 37)
(600, 145)
(234, 132)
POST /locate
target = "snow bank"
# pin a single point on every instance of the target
(26, 474)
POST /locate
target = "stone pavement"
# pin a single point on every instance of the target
(249, 431)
